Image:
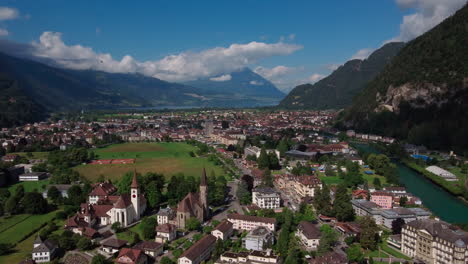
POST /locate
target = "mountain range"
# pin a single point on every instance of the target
(422, 94)
(29, 90)
(337, 90)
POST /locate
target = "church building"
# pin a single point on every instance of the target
(105, 208)
(194, 205)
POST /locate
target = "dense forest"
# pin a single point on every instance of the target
(422, 95)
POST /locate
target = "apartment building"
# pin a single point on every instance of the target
(249, 222)
(434, 242)
(266, 198)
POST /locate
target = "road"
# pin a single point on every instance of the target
(233, 202)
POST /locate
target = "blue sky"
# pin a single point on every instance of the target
(311, 36)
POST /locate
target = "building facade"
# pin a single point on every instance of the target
(266, 198)
(434, 242)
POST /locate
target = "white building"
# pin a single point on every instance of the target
(43, 251)
(266, 198)
(308, 234)
(249, 222)
(260, 238)
(434, 242)
(33, 176)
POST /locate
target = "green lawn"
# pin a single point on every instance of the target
(166, 158)
(23, 249)
(8, 222)
(18, 231)
(392, 251)
(30, 186)
(330, 180)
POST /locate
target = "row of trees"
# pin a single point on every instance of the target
(20, 202)
(341, 207)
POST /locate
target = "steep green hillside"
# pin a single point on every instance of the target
(422, 95)
(337, 90)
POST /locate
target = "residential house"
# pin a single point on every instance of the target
(131, 256)
(165, 233)
(151, 248)
(382, 199)
(223, 230)
(43, 251)
(260, 238)
(252, 257)
(112, 245)
(165, 215)
(309, 235)
(198, 252)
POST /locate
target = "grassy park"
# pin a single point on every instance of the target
(19, 226)
(166, 158)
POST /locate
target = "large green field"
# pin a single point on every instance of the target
(21, 225)
(166, 158)
(30, 186)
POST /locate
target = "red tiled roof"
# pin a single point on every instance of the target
(132, 254)
(199, 247)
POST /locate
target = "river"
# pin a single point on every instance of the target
(440, 202)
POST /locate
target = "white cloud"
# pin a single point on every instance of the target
(256, 83)
(428, 13)
(332, 66)
(292, 36)
(8, 13)
(222, 78)
(275, 72)
(180, 67)
(362, 54)
(3, 32)
(315, 78)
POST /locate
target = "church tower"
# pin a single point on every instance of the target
(204, 194)
(135, 196)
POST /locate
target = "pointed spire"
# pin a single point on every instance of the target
(38, 240)
(134, 180)
(203, 181)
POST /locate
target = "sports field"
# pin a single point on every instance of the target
(166, 158)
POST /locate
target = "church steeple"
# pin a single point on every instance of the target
(203, 181)
(135, 196)
(204, 193)
(134, 180)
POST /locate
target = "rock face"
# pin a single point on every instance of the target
(337, 90)
(422, 94)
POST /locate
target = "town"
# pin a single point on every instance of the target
(221, 186)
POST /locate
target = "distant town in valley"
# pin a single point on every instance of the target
(177, 132)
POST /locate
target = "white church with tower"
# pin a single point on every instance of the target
(106, 208)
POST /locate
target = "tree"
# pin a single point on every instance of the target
(34, 203)
(147, 227)
(283, 147)
(165, 260)
(403, 201)
(84, 243)
(100, 259)
(369, 233)
(243, 194)
(75, 195)
(116, 227)
(283, 240)
(267, 178)
(5, 248)
(225, 124)
(355, 254)
(397, 225)
(11, 206)
(263, 160)
(327, 240)
(54, 194)
(342, 208)
(329, 171)
(377, 184)
(273, 162)
(193, 224)
(322, 200)
(219, 249)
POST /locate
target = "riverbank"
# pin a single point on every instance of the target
(447, 186)
(439, 201)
